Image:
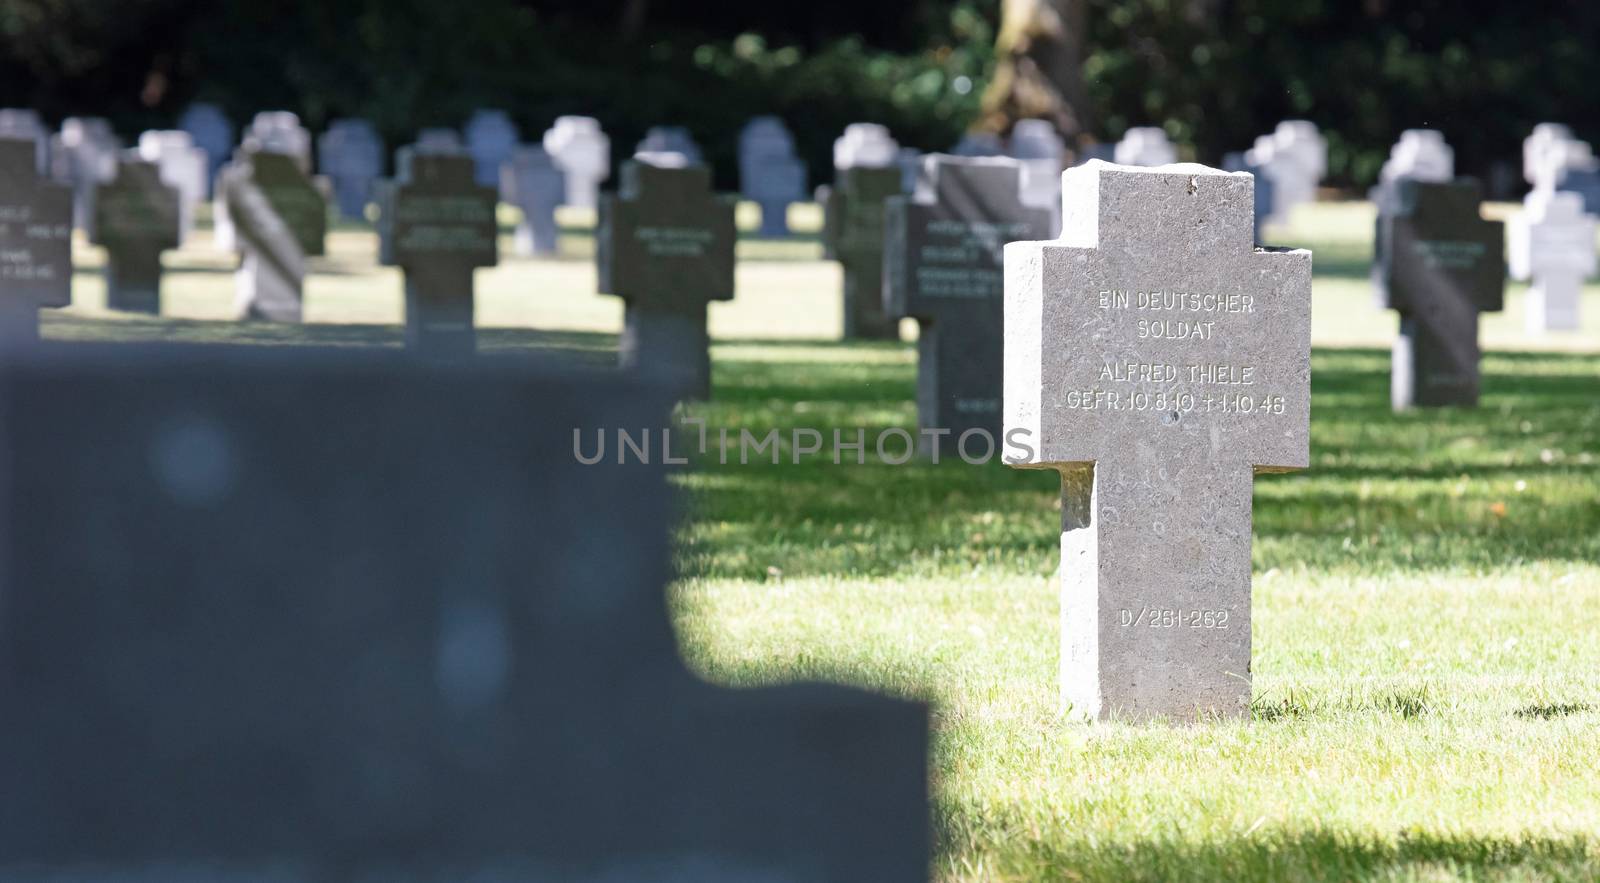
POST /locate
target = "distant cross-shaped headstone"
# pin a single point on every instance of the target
(280, 219)
(583, 153)
(1438, 263)
(1145, 146)
(1421, 155)
(852, 234)
(439, 140)
(769, 172)
(438, 225)
(665, 246)
(280, 617)
(1537, 144)
(865, 144)
(279, 131)
(1291, 160)
(1552, 243)
(212, 132)
(351, 154)
(84, 157)
(35, 242)
(21, 124)
(531, 181)
(491, 136)
(1043, 154)
(135, 219)
(183, 166)
(1240, 162)
(1157, 360)
(978, 144)
(944, 267)
(670, 139)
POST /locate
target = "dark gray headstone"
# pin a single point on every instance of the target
(532, 182)
(1236, 162)
(279, 220)
(35, 242)
(1437, 263)
(211, 132)
(852, 234)
(350, 153)
(665, 246)
(944, 266)
(136, 218)
(769, 172)
(437, 224)
(373, 621)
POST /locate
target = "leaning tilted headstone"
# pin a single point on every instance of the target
(1438, 263)
(665, 246)
(1037, 145)
(865, 145)
(944, 267)
(1420, 155)
(670, 140)
(437, 224)
(183, 167)
(22, 124)
(852, 234)
(1158, 361)
(1145, 146)
(770, 174)
(136, 218)
(350, 153)
(84, 156)
(212, 132)
(279, 220)
(531, 181)
(583, 153)
(35, 242)
(1551, 242)
(490, 136)
(321, 617)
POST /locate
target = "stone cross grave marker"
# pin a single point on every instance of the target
(84, 156)
(852, 234)
(24, 124)
(183, 166)
(1145, 146)
(437, 224)
(279, 219)
(1421, 155)
(670, 139)
(351, 154)
(1157, 360)
(279, 131)
(1292, 160)
(865, 144)
(1438, 263)
(136, 218)
(531, 181)
(583, 153)
(1240, 162)
(1538, 142)
(1037, 145)
(665, 246)
(212, 132)
(439, 140)
(769, 172)
(1551, 242)
(340, 618)
(35, 243)
(491, 136)
(944, 266)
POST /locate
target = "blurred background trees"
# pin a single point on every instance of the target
(1215, 73)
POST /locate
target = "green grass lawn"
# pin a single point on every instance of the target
(1427, 596)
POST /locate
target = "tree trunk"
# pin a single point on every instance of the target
(1039, 69)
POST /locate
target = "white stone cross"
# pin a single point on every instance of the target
(1552, 243)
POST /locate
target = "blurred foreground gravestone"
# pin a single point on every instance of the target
(279, 220)
(945, 267)
(1437, 263)
(326, 619)
(351, 154)
(437, 224)
(1157, 360)
(531, 181)
(35, 243)
(136, 218)
(1551, 244)
(583, 153)
(769, 172)
(664, 245)
(852, 234)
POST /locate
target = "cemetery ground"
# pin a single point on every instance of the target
(1427, 596)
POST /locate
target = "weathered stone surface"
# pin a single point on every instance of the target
(136, 218)
(35, 243)
(437, 224)
(1437, 263)
(583, 153)
(350, 153)
(316, 617)
(1157, 360)
(532, 182)
(852, 234)
(1551, 243)
(769, 172)
(665, 246)
(279, 220)
(944, 266)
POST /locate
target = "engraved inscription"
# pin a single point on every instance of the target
(685, 242)
(1169, 618)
